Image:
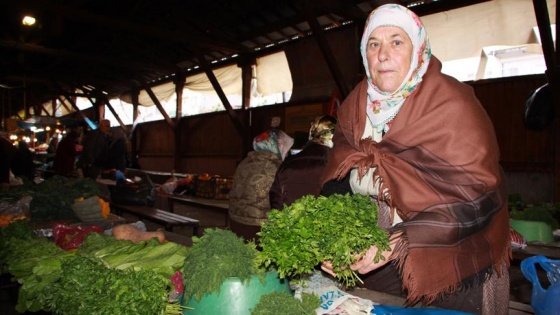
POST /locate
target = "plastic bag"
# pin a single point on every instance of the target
(14, 211)
(333, 300)
(544, 301)
(71, 237)
(88, 210)
(399, 310)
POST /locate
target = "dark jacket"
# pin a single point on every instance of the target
(299, 175)
(65, 157)
(22, 162)
(7, 152)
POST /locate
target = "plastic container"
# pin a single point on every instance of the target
(236, 297)
(533, 230)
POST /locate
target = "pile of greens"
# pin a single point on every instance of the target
(278, 303)
(214, 257)
(87, 286)
(51, 199)
(103, 276)
(542, 212)
(338, 228)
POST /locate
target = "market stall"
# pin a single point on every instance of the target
(151, 274)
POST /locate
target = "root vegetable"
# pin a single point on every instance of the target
(134, 234)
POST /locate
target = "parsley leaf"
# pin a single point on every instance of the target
(311, 230)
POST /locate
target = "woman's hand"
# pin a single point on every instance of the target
(366, 263)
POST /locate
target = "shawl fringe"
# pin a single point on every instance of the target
(401, 259)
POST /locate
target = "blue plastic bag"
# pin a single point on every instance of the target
(543, 301)
(398, 310)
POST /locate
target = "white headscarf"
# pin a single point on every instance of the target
(391, 102)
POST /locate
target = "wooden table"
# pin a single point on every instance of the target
(211, 204)
(550, 250)
(515, 308)
(168, 219)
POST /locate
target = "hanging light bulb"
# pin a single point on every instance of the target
(28, 20)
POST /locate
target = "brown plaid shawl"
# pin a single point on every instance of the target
(438, 166)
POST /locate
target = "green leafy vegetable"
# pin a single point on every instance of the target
(214, 257)
(543, 212)
(338, 228)
(18, 229)
(282, 303)
(35, 263)
(79, 282)
(86, 287)
(164, 259)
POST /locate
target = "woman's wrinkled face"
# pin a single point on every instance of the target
(389, 53)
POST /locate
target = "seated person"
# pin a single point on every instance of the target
(300, 175)
(248, 197)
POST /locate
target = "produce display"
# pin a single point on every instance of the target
(338, 228)
(135, 235)
(547, 212)
(52, 200)
(221, 260)
(82, 270)
(102, 276)
(213, 258)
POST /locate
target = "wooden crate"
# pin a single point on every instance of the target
(215, 187)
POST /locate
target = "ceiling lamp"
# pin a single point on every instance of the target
(28, 20)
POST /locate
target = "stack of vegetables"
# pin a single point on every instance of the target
(547, 212)
(219, 255)
(103, 276)
(52, 199)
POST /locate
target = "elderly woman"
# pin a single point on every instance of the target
(420, 143)
(248, 198)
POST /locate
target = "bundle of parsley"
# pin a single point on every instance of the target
(311, 230)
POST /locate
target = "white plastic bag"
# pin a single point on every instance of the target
(333, 300)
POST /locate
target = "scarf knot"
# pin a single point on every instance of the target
(364, 159)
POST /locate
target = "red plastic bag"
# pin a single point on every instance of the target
(71, 237)
(177, 280)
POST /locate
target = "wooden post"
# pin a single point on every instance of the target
(179, 86)
(552, 60)
(326, 50)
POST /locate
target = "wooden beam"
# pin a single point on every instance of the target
(179, 86)
(63, 103)
(160, 107)
(216, 85)
(326, 50)
(112, 110)
(73, 104)
(42, 109)
(238, 124)
(246, 64)
(133, 138)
